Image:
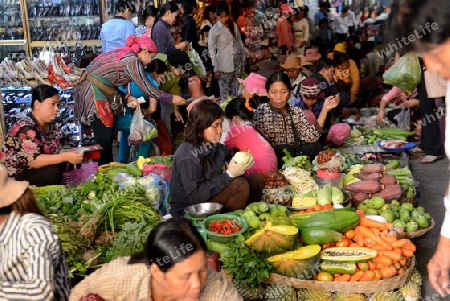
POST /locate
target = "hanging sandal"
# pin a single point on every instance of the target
(430, 159)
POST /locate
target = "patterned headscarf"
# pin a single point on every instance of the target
(134, 45)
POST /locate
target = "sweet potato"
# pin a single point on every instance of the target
(370, 186)
(372, 168)
(359, 197)
(367, 176)
(388, 180)
(390, 192)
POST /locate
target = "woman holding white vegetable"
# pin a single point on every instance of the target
(204, 170)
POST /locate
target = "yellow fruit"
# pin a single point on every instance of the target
(241, 157)
(304, 201)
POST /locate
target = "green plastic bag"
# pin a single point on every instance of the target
(196, 61)
(405, 74)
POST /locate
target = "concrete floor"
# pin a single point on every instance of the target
(433, 180)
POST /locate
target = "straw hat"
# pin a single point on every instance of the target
(295, 62)
(312, 55)
(310, 87)
(255, 84)
(10, 189)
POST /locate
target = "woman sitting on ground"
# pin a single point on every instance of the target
(31, 150)
(244, 136)
(286, 126)
(172, 266)
(203, 170)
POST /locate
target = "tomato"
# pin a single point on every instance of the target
(302, 212)
(324, 276)
(350, 234)
(317, 207)
(326, 246)
(327, 207)
(310, 210)
(345, 242)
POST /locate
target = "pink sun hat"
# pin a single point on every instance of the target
(255, 84)
(286, 9)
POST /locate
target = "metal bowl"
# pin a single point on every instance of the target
(203, 209)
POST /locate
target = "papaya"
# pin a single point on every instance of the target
(320, 236)
(348, 254)
(338, 220)
(299, 263)
(338, 267)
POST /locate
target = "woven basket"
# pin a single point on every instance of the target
(421, 232)
(346, 287)
(411, 200)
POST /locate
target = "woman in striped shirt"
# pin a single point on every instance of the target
(32, 266)
(116, 68)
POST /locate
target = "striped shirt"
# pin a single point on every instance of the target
(120, 281)
(32, 266)
(119, 72)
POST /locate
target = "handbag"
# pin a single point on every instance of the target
(113, 95)
(77, 176)
(300, 147)
(436, 86)
(47, 54)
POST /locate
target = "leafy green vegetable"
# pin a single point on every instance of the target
(246, 266)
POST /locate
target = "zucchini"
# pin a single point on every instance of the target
(320, 236)
(133, 170)
(298, 217)
(338, 267)
(348, 254)
(337, 220)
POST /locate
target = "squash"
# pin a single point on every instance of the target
(273, 240)
(302, 263)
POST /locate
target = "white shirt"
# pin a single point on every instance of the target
(445, 230)
(352, 18)
(341, 24)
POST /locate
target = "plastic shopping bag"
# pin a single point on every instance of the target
(196, 61)
(141, 130)
(406, 73)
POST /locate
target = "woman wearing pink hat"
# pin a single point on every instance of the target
(111, 69)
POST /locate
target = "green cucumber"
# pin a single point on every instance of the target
(312, 236)
(337, 220)
(112, 173)
(393, 164)
(348, 254)
(338, 267)
(216, 246)
(134, 170)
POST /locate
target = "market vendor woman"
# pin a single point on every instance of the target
(203, 169)
(31, 150)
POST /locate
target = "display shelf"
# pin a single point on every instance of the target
(13, 42)
(69, 43)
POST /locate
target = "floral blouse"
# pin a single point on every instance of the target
(25, 141)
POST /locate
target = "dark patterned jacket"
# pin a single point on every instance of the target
(277, 128)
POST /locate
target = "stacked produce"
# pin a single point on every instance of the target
(376, 180)
(403, 216)
(298, 161)
(362, 136)
(98, 221)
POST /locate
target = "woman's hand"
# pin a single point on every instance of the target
(133, 102)
(178, 116)
(331, 102)
(193, 103)
(410, 103)
(178, 100)
(217, 74)
(439, 268)
(75, 157)
(380, 116)
(183, 45)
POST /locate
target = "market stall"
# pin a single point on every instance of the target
(341, 226)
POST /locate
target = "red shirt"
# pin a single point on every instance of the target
(245, 137)
(284, 31)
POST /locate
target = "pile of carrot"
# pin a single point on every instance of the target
(392, 253)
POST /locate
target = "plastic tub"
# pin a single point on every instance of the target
(324, 176)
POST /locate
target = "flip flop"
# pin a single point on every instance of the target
(430, 159)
